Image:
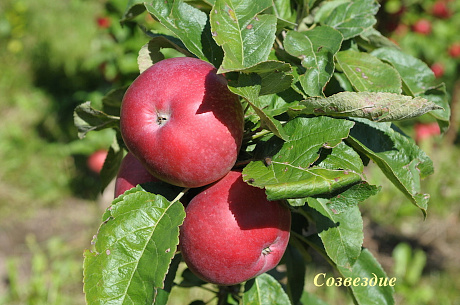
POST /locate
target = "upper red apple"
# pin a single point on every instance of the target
(232, 233)
(182, 122)
(130, 174)
(96, 160)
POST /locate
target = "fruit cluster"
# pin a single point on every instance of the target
(183, 126)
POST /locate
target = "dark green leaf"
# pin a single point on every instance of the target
(132, 249)
(134, 8)
(111, 164)
(295, 270)
(351, 18)
(399, 158)
(87, 119)
(245, 35)
(111, 102)
(368, 73)
(341, 156)
(264, 290)
(367, 267)
(375, 106)
(341, 234)
(316, 48)
(351, 197)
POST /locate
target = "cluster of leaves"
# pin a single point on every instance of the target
(324, 92)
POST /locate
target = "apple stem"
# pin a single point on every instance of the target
(180, 195)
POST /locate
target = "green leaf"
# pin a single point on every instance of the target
(111, 102)
(341, 156)
(367, 267)
(342, 234)
(316, 48)
(295, 271)
(163, 294)
(189, 24)
(351, 197)
(368, 73)
(399, 158)
(374, 106)
(133, 9)
(264, 290)
(87, 119)
(286, 171)
(150, 52)
(265, 78)
(351, 18)
(245, 35)
(111, 164)
(132, 249)
(418, 80)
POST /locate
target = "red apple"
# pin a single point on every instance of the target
(438, 69)
(422, 26)
(96, 160)
(425, 131)
(454, 50)
(441, 10)
(103, 22)
(182, 122)
(130, 174)
(232, 233)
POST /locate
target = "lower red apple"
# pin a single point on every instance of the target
(182, 122)
(130, 174)
(232, 233)
(96, 160)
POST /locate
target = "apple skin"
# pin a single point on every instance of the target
(182, 122)
(130, 174)
(232, 233)
(96, 160)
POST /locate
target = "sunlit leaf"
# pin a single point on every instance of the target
(368, 73)
(132, 249)
(264, 290)
(245, 35)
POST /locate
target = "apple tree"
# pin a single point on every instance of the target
(323, 93)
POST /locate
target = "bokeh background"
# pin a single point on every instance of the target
(55, 55)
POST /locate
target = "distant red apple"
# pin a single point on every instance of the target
(103, 22)
(441, 10)
(96, 160)
(454, 50)
(425, 131)
(438, 69)
(130, 174)
(422, 26)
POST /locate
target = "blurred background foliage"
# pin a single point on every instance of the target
(55, 55)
